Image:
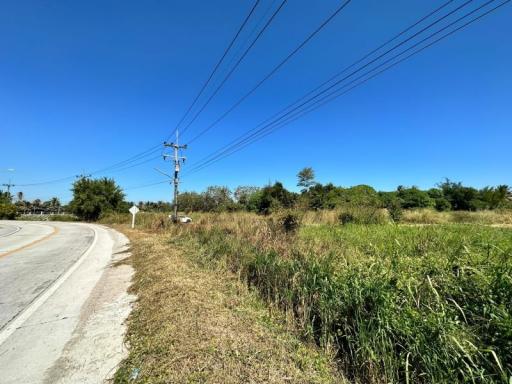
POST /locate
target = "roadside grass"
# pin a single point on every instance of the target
(160, 221)
(196, 325)
(56, 217)
(422, 304)
(430, 216)
(396, 303)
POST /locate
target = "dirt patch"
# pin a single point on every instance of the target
(192, 325)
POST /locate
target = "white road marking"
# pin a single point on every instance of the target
(17, 322)
(11, 233)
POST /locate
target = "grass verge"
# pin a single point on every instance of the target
(193, 325)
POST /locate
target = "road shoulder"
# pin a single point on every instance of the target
(96, 346)
(73, 331)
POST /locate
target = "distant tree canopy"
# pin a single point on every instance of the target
(446, 196)
(93, 198)
(7, 208)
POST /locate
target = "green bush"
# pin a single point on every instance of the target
(290, 222)
(395, 211)
(62, 218)
(442, 204)
(363, 215)
(93, 199)
(8, 211)
(286, 221)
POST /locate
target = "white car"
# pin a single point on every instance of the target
(185, 219)
(181, 218)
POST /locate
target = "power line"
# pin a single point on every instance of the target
(260, 33)
(273, 71)
(159, 156)
(268, 129)
(333, 95)
(145, 185)
(122, 165)
(155, 148)
(228, 48)
(338, 74)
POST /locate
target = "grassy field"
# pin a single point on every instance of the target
(394, 303)
(193, 325)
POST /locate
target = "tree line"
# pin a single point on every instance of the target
(93, 198)
(447, 195)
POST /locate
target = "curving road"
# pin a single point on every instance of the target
(62, 303)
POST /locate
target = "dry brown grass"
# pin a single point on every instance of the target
(429, 216)
(193, 325)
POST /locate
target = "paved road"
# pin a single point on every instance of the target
(62, 303)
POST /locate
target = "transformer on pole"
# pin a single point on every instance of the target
(177, 159)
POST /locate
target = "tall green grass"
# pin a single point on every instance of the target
(398, 303)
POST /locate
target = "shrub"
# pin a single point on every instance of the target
(290, 222)
(363, 215)
(95, 198)
(395, 211)
(414, 198)
(442, 204)
(287, 221)
(62, 217)
(8, 211)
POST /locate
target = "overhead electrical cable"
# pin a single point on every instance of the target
(145, 185)
(112, 167)
(260, 33)
(344, 70)
(272, 72)
(219, 62)
(157, 147)
(335, 94)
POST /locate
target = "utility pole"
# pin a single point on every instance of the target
(8, 185)
(177, 159)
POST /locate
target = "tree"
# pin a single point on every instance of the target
(189, 201)
(217, 198)
(306, 179)
(20, 196)
(7, 208)
(243, 194)
(51, 205)
(94, 198)
(274, 197)
(361, 195)
(495, 197)
(461, 198)
(414, 198)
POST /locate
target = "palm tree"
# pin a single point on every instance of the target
(55, 204)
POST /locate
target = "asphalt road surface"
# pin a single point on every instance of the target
(62, 302)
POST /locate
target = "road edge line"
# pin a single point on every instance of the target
(18, 321)
(18, 228)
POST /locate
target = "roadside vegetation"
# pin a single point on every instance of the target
(194, 325)
(407, 286)
(393, 303)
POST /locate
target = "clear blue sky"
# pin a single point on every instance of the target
(84, 84)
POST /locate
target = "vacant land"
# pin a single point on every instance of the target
(192, 325)
(393, 303)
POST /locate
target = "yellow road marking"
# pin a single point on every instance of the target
(55, 231)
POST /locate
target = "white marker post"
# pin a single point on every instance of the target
(133, 210)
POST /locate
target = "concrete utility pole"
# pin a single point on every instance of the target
(8, 185)
(177, 167)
